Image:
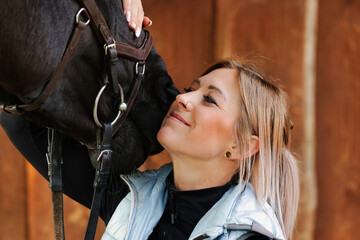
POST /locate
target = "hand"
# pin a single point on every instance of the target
(134, 14)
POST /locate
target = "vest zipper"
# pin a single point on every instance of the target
(172, 210)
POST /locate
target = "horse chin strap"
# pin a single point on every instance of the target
(101, 178)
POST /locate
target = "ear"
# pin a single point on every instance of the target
(253, 147)
(237, 152)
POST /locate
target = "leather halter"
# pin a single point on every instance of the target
(112, 49)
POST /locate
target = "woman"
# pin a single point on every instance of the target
(232, 173)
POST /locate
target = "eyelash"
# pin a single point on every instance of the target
(188, 90)
(207, 98)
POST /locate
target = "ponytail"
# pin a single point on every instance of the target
(289, 190)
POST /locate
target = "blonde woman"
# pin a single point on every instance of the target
(232, 175)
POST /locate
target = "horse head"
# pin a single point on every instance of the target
(37, 36)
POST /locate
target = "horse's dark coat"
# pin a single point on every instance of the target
(34, 35)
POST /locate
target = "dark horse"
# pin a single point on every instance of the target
(34, 36)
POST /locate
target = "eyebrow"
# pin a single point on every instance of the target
(211, 87)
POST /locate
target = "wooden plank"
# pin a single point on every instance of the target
(183, 34)
(40, 224)
(12, 191)
(338, 115)
(270, 35)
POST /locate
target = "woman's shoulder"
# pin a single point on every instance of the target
(256, 212)
(239, 212)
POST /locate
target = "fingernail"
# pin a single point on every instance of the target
(133, 25)
(137, 32)
(150, 23)
(128, 15)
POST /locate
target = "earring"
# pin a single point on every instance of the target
(227, 154)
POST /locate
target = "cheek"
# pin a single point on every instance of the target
(212, 136)
(218, 128)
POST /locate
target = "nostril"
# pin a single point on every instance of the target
(183, 105)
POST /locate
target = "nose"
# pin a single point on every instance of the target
(184, 101)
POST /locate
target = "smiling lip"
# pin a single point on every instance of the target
(179, 118)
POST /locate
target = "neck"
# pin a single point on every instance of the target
(194, 174)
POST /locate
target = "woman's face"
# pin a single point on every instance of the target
(200, 123)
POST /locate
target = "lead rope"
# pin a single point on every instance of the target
(54, 160)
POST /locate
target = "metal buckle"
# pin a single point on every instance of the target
(137, 68)
(13, 109)
(107, 46)
(106, 151)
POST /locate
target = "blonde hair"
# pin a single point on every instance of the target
(272, 171)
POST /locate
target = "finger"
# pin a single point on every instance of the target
(147, 22)
(127, 9)
(134, 12)
(139, 21)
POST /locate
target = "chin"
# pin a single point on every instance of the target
(160, 136)
(165, 137)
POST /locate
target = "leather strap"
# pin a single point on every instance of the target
(138, 80)
(135, 54)
(100, 182)
(98, 22)
(53, 157)
(35, 105)
(104, 35)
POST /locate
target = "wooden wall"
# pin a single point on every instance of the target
(311, 46)
(338, 118)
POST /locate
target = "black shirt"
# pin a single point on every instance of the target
(184, 209)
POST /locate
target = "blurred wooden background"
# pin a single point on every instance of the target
(312, 46)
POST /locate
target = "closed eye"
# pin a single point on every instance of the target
(209, 99)
(188, 90)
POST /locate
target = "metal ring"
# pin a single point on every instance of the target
(78, 15)
(137, 69)
(97, 99)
